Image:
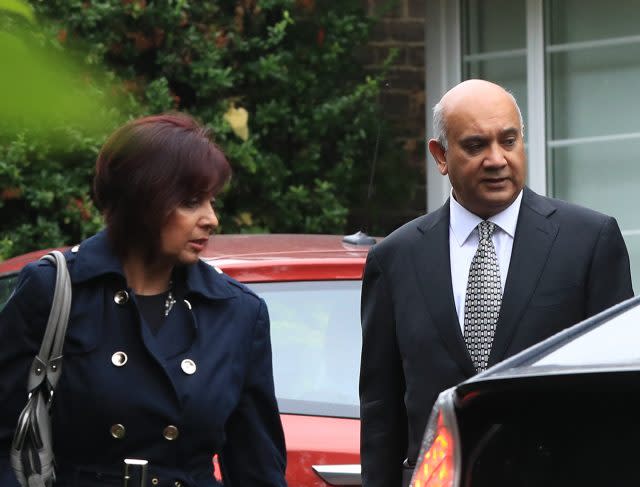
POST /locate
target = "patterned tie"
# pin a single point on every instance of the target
(483, 298)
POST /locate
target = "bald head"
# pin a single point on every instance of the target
(473, 92)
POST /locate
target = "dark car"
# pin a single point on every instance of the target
(565, 412)
(311, 284)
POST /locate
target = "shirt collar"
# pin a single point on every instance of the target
(463, 222)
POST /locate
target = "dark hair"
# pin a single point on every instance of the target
(146, 169)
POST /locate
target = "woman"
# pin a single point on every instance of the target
(165, 359)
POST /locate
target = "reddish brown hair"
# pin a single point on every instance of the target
(146, 169)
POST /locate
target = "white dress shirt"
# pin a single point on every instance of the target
(463, 242)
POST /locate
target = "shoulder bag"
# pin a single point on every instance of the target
(32, 449)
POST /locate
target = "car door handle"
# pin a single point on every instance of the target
(339, 474)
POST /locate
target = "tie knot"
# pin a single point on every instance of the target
(486, 229)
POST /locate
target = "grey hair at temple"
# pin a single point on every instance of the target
(440, 127)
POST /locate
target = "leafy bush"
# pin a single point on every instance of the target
(278, 81)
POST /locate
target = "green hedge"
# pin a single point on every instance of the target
(301, 161)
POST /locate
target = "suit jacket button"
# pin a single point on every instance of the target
(121, 297)
(188, 366)
(117, 431)
(177, 483)
(75, 248)
(155, 481)
(170, 432)
(119, 359)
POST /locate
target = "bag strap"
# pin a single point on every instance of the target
(47, 364)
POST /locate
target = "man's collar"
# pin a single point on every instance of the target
(463, 222)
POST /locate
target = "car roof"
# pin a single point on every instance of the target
(286, 257)
(608, 342)
(267, 257)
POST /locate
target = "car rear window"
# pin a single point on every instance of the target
(621, 334)
(315, 335)
(575, 434)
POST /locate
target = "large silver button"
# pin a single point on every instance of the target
(117, 431)
(177, 483)
(75, 248)
(119, 359)
(170, 432)
(121, 297)
(155, 481)
(188, 366)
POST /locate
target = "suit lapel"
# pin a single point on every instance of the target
(534, 237)
(433, 269)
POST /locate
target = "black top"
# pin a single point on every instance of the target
(152, 309)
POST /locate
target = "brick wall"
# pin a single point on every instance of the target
(401, 26)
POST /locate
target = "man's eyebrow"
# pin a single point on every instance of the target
(510, 131)
(469, 139)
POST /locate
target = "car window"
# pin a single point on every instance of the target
(315, 336)
(7, 284)
(621, 334)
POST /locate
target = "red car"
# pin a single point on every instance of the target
(311, 284)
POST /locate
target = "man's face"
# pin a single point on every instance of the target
(485, 161)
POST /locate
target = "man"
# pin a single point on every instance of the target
(496, 269)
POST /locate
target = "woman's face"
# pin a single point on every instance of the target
(187, 229)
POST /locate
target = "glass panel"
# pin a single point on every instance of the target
(592, 92)
(7, 284)
(493, 25)
(316, 341)
(604, 177)
(584, 20)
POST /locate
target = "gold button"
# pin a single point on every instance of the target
(117, 431)
(121, 297)
(170, 432)
(119, 359)
(155, 481)
(188, 366)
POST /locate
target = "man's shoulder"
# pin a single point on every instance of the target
(562, 211)
(413, 230)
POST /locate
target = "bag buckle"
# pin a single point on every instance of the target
(135, 472)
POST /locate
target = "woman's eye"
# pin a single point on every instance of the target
(191, 203)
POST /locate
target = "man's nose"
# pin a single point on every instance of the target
(495, 156)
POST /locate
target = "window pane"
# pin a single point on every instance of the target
(493, 25)
(602, 176)
(585, 20)
(592, 73)
(592, 92)
(316, 341)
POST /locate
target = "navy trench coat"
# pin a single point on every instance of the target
(203, 384)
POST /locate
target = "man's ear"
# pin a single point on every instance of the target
(440, 155)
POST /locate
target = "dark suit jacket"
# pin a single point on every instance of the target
(567, 263)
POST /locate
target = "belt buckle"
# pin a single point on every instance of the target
(135, 472)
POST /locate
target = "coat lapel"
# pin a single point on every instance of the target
(534, 237)
(433, 269)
